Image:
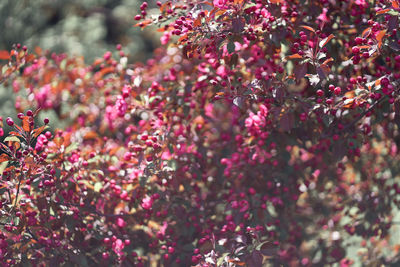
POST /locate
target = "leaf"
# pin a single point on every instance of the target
(379, 37)
(294, 56)
(15, 134)
(383, 11)
(326, 40)
(300, 71)
(12, 139)
(366, 32)
(39, 130)
(4, 157)
(321, 73)
(395, 4)
(71, 148)
(325, 68)
(183, 37)
(256, 259)
(3, 166)
(327, 61)
(268, 249)
(25, 124)
(237, 262)
(308, 28)
(197, 22)
(4, 55)
(144, 23)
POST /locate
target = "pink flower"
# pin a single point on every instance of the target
(147, 203)
(323, 16)
(220, 3)
(165, 38)
(118, 246)
(121, 223)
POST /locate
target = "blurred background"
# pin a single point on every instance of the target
(77, 27)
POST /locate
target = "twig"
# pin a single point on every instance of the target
(18, 187)
(351, 124)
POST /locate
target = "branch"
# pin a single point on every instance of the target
(351, 124)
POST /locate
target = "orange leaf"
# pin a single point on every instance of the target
(16, 134)
(4, 157)
(327, 61)
(197, 22)
(294, 56)
(275, 1)
(25, 124)
(395, 4)
(144, 23)
(383, 11)
(4, 54)
(182, 38)
(240, 263)
(326, 40)
(379, 37)
(308, 28)
(39, 130)
(220, 12)
(366, 32)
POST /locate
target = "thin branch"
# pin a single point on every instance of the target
(18, 188)
(351, 124)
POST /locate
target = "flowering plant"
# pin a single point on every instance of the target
(261, 132)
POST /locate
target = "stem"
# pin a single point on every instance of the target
(18, 187)
(32, 234)
(351, 124)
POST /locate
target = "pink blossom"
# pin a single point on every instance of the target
(121, 223)
(323, 17)
(220, 3)
(147, 203)
(118, 246)
(165, 38)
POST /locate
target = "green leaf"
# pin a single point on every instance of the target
(221, 259)
(71, 147)
(97, 186)
(12, 139)
(3, 166)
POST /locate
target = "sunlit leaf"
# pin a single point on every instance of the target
(3, 166)
(294, 56)
(326, 40)
(12, 139)
(308, 28)
(379, 37)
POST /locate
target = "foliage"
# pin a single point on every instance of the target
(265, 133)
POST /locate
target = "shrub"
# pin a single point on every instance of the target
(261, 133)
